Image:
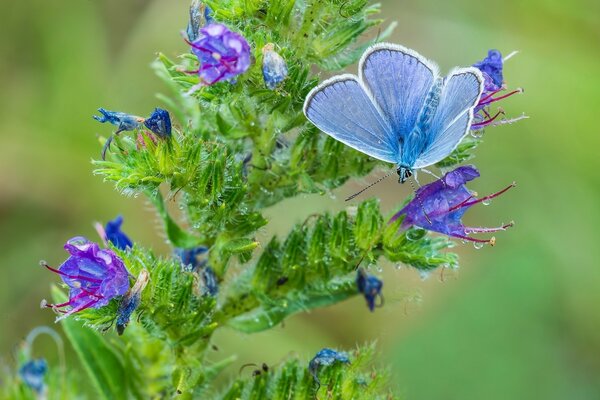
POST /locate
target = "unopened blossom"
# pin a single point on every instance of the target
(274, 67)
(131, 301)
(159, 122)
(94, 277)
(190, 260)
(210, 282)
(370, 287)
(112, 233)
(326, 357)
(440, 205)
(222, 54)
(33, 373)
(200, 15)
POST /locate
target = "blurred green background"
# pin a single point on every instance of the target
(517, 321)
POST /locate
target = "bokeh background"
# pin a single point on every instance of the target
(517, 321)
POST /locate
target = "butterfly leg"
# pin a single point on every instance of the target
(430, 173)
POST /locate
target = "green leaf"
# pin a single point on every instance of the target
(177, 236)
(102, 364)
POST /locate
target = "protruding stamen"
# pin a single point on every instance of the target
(489, 230)
(510, 55)
(488, 197)
(489, 100)
(491, 241)
(487, 121)
(78, 277)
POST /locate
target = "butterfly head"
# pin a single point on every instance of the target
(404, 172)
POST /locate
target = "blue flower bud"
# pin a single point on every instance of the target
(325, 357)
(33, 372)
(159, 122)
(114, 234)
(200, 15)
(274, 67)
(370, 286)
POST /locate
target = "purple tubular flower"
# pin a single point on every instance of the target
(159, 122)
(440, 205)
(491, 68)
(94, 277)
(325, 357)
(200, 15)
(124, 122)
(370, 286)
(274, 67)
(223, 54)
(32, 373)
(114, 234)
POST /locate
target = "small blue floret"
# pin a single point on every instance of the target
(370, 286)
(33, 372)
(274, 67)
(326, 357)
(115, 235)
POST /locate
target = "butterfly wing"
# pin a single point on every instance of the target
(453, 115)
(343, 109)
(399, 80)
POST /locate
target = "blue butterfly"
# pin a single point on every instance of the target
(398, 109)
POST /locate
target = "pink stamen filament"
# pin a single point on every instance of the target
(490, 95)
(489, 197)
(78, 277)
(487, 101)
(487, 121)
(470, 239)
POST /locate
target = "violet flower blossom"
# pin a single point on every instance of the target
(491, 68)
(440, 205)
(223, 54)
(94, 277)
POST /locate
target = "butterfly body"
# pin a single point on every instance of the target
(398, 109)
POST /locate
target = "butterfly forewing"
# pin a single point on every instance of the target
(341, 108)
(453, 115)
(399, 80)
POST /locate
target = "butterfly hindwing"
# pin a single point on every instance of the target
(453, 115)
(343, 109)
(399, 80)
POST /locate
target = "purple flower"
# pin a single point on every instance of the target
(274, 67)
(440, 205)
(370, 286)
(32, 373)
(491, 68)
(325, 357)
(112, 233)
(200, 15)
(223, 54)
(94, 277)
(159, 122)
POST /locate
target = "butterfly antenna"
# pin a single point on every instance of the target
(370, 186)
(412, 184)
